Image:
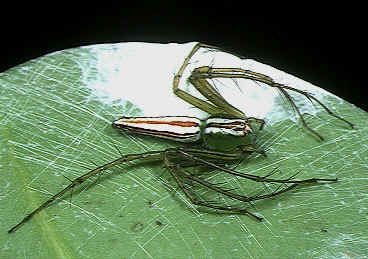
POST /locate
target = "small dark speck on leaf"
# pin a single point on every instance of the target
(324, 230)
(137, 227)
(159, 223)
(151, 204)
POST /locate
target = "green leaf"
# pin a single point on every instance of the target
(54, 127)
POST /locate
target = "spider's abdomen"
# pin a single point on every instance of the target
(178, 128)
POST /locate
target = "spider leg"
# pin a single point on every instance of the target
(216, 104)
(311, 97)
(247, 74)
(250, 148)
(293, 105)
(197, 102)
(153, 155)
(258, 77)
(208, 91)
(198, 79)
(251, 176)
(173, 170)
(261, 122)
(233, 195)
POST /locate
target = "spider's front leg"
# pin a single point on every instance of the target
(214, 104)
(196, 102)
(206, 72)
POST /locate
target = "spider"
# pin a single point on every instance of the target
(224, 120)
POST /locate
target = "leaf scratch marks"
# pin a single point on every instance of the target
(244, 228)
(144, 250)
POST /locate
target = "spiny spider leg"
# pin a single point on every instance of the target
(71, 191)
(154, 155)
(259, 121)
(249, 148)
(196, 155)
(293, 105)
(147, 156)
(231, 194)
(215, 103)
(173, 168)
(208, 91)
(210, 73)
(197, 102)
(311, 97)
(251, 176)
(273, 171)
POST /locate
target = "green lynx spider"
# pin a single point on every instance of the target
(226, 118)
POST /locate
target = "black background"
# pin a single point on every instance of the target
(324, 46)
